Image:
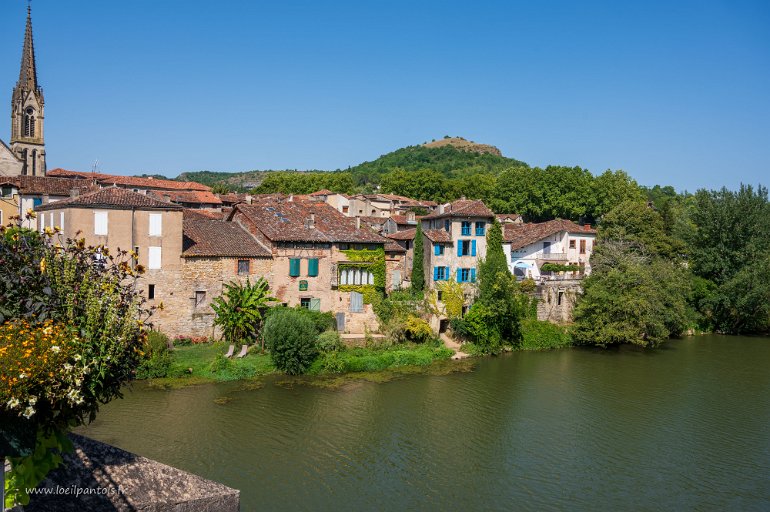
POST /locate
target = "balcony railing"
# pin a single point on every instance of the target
(553, 256)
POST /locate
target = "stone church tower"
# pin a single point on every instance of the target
(27, 109)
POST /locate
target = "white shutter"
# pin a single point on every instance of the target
(154, 258)
(100, 223)
(61, 220)
(156, 223)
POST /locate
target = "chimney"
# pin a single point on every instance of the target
(249, 199)
(75, 192)
(310, 222)
(358, 222)
(410, 216)
(441, 208)
(291, 198)
(587, 227)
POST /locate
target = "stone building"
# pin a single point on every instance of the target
(529, 246)
(322, 259)
(26, 154)
(23, 193)
(455, 240)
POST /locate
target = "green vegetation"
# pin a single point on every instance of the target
(241, 308)
(378, 359)
(71, 334)
(157, 357)
(291, 338)
(418, 272)
(538, 335)
(494, 320)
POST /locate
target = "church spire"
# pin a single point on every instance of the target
(28, 72)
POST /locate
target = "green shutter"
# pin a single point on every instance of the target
(294, 267)
(312, 267)
(315, 304)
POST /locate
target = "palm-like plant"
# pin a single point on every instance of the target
(240, 309)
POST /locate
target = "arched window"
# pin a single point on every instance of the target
(29, 122)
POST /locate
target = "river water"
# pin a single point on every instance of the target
(683, 427)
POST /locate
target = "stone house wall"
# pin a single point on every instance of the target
(557, 299)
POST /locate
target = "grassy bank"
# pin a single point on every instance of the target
(536, 335)
(205, 362)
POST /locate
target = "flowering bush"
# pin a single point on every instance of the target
(71, 334)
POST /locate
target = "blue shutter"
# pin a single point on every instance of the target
(312, 267)
(459, 247)
(435, 273)
(294, 267)
(436, 249)
(447, 275)
(473, 247)
(473, 275)
(459, 275)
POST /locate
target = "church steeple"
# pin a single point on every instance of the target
(27, 108)
(28, 72)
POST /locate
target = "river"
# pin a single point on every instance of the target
(683, 427)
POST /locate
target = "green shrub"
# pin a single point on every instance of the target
(418, 330)
(539, 335)
(478, 327)
(372, 360)
(322, 320)
(290, 336)
(329, 341)
(157, 357)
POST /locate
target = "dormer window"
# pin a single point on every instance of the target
(29, 122)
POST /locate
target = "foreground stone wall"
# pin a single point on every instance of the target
(557, 299)
(98, 477)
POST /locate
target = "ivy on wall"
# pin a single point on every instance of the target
(375, 260)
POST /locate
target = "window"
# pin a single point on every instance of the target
(356, 302)
(6, 191)
(100, 223)
(244, 267)
(200, 297)
(440, 273)
(481, 228)
(29, 122)
(582, 247)
(447, 225)
(156, 223)
(37, 201)
(150, 291)
(356, 275)
(344, 247)
(466, 275)
(571, 244)
(438, 249)
(546, 247)
(439, 295)
(345, 209)
(561, 296)
(466, 229)
(305, 302)
(154, 258)
(294, 267)
(312, 267)
(466, 248)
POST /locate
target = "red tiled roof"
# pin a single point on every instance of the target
(463, 208)
(290, 221)
(373, 220)
(208, 237)
(232, 198)
(50, 186)
(130, 181)
(521, 235)
(394, 247)
(502, 217)
(187, 196)
(407, 234)
(323, 192)
(112, 197)
(196, 214)
(438, 235)
(402, 220)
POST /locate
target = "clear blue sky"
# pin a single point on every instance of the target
(672, 92)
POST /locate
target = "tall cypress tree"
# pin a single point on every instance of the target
(418, 273)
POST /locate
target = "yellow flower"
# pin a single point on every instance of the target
(42, 269)
(31, 213)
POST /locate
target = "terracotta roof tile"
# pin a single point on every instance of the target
(51, 186)
(194, 213)
(187, 196)
(407, 234)
(290, 221)
(208, 237)
(130, 181)
(394, 247)
(507, 217)
(463, 208)
(112, 197)
(438, 235)
(521, 235)
(323, 192)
